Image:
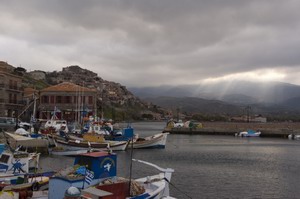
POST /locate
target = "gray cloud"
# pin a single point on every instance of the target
(141, 42)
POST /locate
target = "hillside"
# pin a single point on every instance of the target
(272, 99)
(113, 98)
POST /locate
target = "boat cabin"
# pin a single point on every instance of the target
(14, 163)
(89, 169)
(125, 135)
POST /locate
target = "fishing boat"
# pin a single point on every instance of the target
(15, 140)
(95, 174)
(154, 141)
(59, 151)
(18, 171)
(249, 133)
(66, 152)
(14, 163)
(95, 142)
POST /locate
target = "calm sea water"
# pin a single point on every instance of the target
(214, 166)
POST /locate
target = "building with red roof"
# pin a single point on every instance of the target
(71, 102)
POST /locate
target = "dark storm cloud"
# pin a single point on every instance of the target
(153, 42)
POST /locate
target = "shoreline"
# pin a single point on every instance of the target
(271, 129)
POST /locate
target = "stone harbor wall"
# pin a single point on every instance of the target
(281, 129)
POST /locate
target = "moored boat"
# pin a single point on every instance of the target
(79, 143)
(249, 133)
(68, 152)
(294, 136)
(155, 141)
(18, 173)
(95, 174)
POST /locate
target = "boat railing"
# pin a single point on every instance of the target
(168, 171)
(167, 174)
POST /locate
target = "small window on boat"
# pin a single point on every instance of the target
(84, 161)
(4, 158)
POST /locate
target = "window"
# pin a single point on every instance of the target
(15, 85)
(45, 99)
(67, 99)
(75, 99)
(10, 84)
(90, 99)
(4, 158)
(58, 99)
(51, 99)
(15, 98)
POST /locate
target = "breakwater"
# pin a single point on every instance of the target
(270, 129)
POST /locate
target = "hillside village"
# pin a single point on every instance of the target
(109, 99)
(112, 100)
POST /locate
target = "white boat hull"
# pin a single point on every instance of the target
(156, 141)
(69, 152)
(246, 134)
(113, 145)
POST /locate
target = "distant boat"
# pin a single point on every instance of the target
(294, 137)
(249, 133)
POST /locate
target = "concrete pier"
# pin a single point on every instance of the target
(280, 129)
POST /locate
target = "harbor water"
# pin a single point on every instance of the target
(213, 166)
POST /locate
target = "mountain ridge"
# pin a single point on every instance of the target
(269, 98)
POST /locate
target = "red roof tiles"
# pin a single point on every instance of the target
(68, 87)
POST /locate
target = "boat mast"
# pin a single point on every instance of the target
(34, 106)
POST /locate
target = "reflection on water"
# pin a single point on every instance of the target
(215, 166)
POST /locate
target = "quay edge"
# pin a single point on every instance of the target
(279, 130)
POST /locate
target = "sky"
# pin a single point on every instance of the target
(155, 42)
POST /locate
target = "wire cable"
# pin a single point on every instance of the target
(178, 188)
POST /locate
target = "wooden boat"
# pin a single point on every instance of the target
(17, 162)
(95, 174)
(150, 187)
(79, 143)
(155, 141)
(68, 152)
(15, 168)
(27, 142)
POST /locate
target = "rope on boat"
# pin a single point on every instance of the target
(177, 188)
